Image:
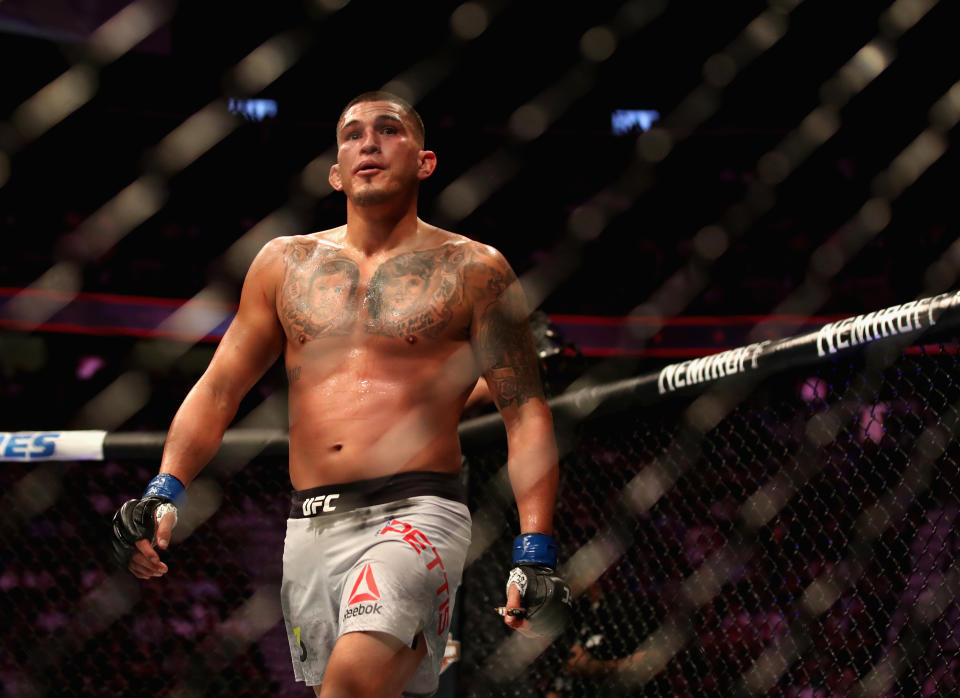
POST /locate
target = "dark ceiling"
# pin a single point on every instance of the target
(472, 89)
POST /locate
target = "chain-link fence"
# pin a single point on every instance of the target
(75, 625)
(776, 562)
(778, 532)
(783, 538)
(804, 544)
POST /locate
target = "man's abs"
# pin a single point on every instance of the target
(374, 414)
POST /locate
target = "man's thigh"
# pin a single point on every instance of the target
(370, 664)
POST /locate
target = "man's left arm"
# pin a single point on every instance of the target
(504, 347)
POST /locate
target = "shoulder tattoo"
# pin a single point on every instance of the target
(504, 342)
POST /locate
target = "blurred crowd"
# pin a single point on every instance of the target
(894, 608)
(74, 624)
(893, 605)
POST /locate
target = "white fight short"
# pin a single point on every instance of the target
(381, 555)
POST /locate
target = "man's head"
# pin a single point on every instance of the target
(380, 154)
(416, 123)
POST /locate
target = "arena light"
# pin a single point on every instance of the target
(530, 120)
(252, 109)
(175, 152)
(468, 22)
(624, 121)
(591, 219)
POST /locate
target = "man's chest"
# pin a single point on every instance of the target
(326, 293)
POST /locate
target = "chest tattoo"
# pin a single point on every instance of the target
(318, 295)
(416, 293)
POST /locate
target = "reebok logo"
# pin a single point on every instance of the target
(365, 589)
(364, 610)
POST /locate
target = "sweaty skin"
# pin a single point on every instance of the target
(380, 356)
(384, 325)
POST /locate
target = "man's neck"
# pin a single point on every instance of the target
(373, 229)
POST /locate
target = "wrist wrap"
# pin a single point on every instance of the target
(137, 519)
(167, 486)
(535, 549)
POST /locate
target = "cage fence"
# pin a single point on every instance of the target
(844, 585)
(786, 537)
(781, 525)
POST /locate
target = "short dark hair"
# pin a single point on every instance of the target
(384, 96)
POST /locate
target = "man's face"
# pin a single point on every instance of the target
(403, 293)
(329, 295)
(378, 154)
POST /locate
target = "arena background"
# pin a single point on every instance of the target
(797, 170)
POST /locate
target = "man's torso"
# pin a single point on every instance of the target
(378, 353)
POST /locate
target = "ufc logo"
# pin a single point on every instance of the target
(323, 503)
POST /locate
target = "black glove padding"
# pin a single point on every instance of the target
(134, 521)
(545, 596)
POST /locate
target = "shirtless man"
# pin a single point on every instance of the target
(385, 325)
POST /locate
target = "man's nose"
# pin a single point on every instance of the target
(370, 144)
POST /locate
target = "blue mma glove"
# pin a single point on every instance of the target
(545, 596)
(137, 518)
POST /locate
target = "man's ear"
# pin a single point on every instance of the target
(335, 180)
(427, 163)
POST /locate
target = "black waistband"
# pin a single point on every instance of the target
(337, 499)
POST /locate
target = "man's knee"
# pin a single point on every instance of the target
(370, 664)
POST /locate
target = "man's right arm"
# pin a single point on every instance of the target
(249, 347)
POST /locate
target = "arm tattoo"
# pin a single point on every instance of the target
(318, 295)
(416, 293)
(505, 344)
